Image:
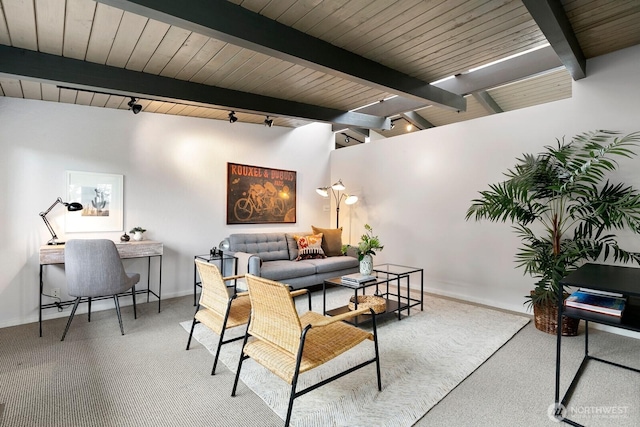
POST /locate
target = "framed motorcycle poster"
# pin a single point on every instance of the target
(259, 195)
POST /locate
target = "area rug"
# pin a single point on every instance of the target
(423, 357)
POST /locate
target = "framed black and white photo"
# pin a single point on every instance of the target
(101, 196)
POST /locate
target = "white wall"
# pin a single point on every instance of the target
(415, 189)
(174, 185)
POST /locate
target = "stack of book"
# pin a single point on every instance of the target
(601, 302)
(357, 279)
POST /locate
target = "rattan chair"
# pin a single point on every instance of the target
(94, 269)
(288, 344)
(219, 308)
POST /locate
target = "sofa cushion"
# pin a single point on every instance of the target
(292, 244)
(282, 270)
(268, 246)
(335, 263)
(331, 240)
(309, 247)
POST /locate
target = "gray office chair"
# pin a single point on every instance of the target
(94, 269)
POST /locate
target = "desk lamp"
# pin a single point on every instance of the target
(335, 190)
(71, 207)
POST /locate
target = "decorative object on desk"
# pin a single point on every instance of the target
(565, 192)
(137, 233)
(335, 191)
(125, 237)
(101, 195)
(258, 195)
(378, 304)
(367, 247)
(71, 207)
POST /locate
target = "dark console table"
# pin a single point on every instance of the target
(623, 280)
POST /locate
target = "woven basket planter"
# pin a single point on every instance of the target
(378, 304)
(546, 320)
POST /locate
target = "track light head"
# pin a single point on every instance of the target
(346, 139)
(136, 108)
(232, 117)
(268, 122)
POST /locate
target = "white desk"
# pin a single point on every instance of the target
(54, 254)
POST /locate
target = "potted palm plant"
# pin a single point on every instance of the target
(565, 211)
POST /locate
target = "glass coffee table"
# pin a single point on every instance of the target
(396, 301)
(393, 301)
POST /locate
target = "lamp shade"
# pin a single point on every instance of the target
(74, 206)
(322, 191)
(350, 200)
(338, 186)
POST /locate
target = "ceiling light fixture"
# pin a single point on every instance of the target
(136, 108)
(348, 139)
(232, 117)
(268, 122)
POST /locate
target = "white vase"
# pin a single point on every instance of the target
(137, 235)
(366, 265)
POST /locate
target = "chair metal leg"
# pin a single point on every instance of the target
(73, 312)
(133, 295)
(242, 357)
(215, 361)
(89, 312)
(115, 299)
(375, 344)
(291, 397)
(193, 325)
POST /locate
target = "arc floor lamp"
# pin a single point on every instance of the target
(337, 190)
(71, 207)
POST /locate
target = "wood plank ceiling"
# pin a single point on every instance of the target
(167, 59)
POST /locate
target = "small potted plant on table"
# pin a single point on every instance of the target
(137, 233)
(367, 247)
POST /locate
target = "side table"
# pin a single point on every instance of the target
(223, 262)
(396, 271)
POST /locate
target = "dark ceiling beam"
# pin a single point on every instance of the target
(82, 75)
(521, 67)
(524, 66)
(487, 102)
(225, 21)
(417, 120)
(554, 24)
(360, 131)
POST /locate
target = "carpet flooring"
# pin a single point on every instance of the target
(423, 357)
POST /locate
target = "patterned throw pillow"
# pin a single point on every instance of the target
(309, 247)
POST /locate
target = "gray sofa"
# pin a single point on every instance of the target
(273, 256)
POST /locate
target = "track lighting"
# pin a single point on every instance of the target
(136, 108)
(232, 117)
(268, 122)
(348, 139)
